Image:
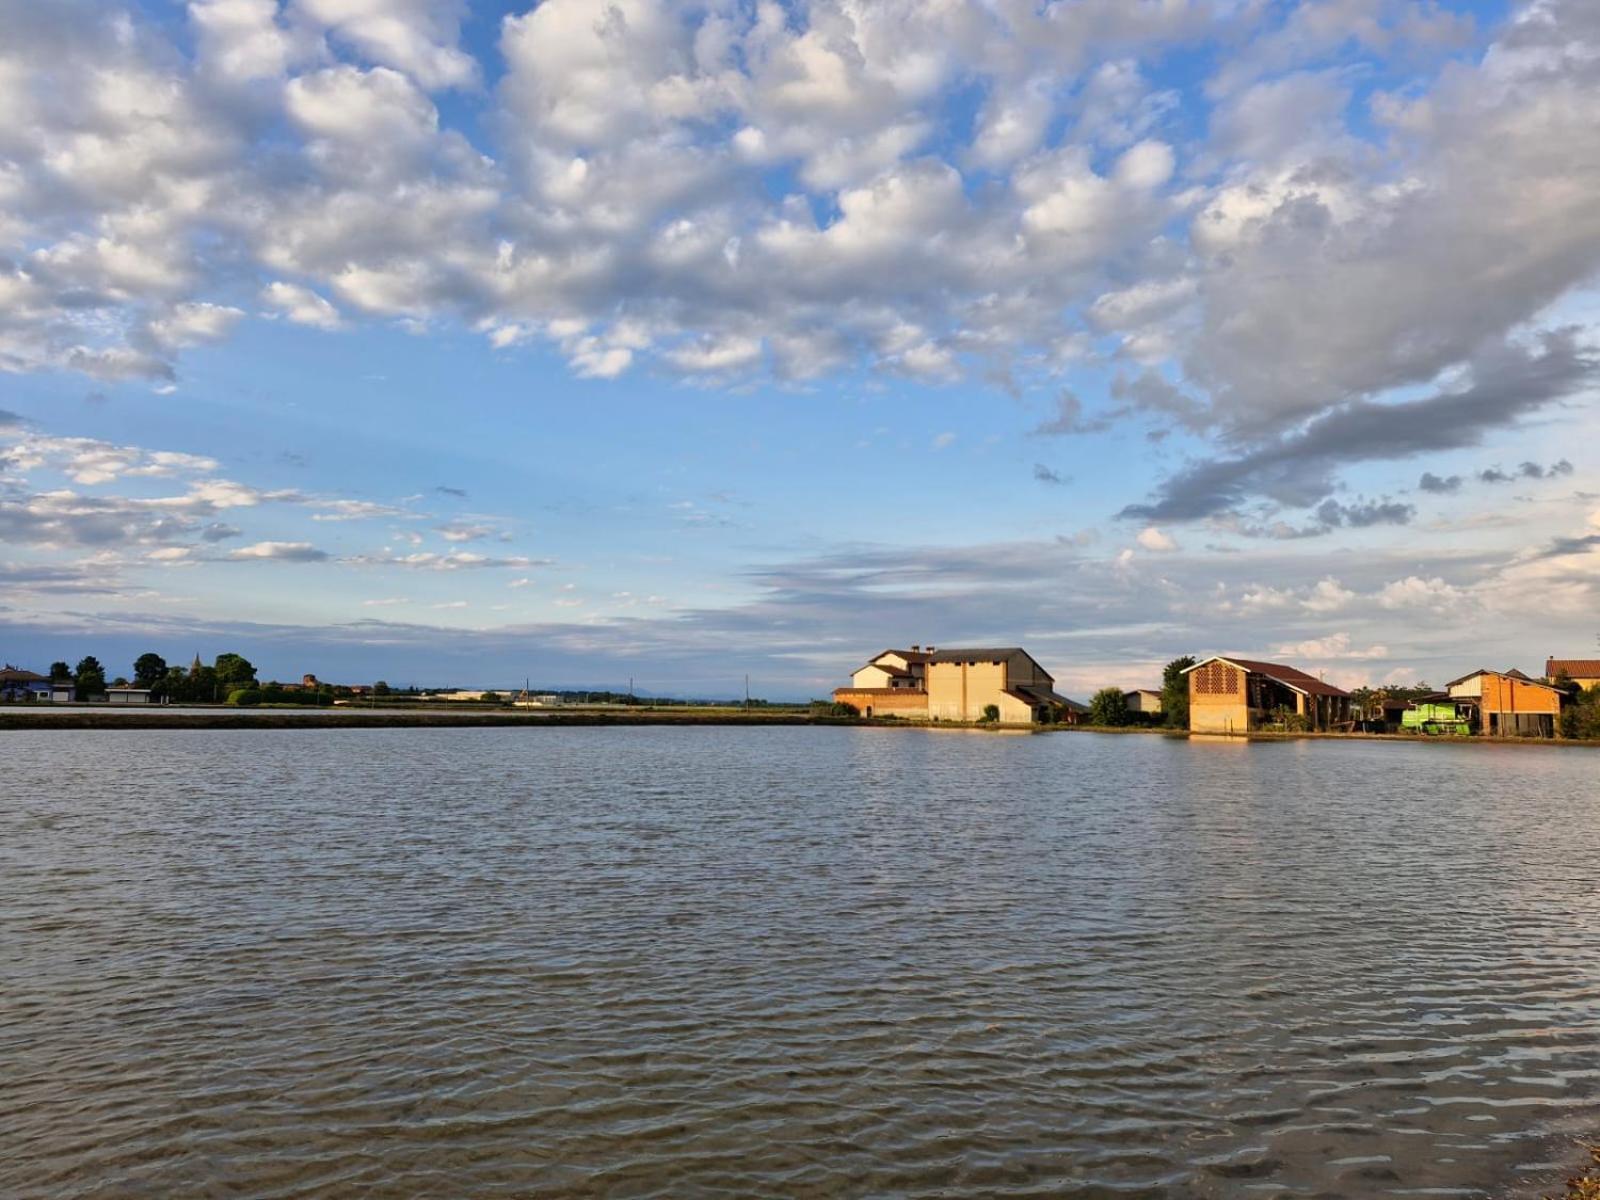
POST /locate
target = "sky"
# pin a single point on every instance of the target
(597, 340)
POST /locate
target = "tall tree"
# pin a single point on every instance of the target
(234, 669)
(60, 672)
(148, 668)
(91, 677)
(1109, 707)
(1175, 692)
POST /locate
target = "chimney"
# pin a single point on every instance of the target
(915, 647)
(931, 649)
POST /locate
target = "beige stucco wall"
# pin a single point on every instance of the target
(886, 702)
(1012, 710)
(870, 677)
(1469, 687)
(1218, 712)
(959, 691)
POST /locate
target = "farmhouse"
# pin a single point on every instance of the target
(1143, 700)
(1508, 703)
(957, 684)
(1585, 672)
(1236, 695)
(19, 685)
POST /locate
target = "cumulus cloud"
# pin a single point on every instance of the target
(1336, 645)
(727, 191)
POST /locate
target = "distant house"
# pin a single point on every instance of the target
(1508, 703)
(1142, 700)
(127, 695)
(1585, 672)
(526, 699)
(1236, 695)
(17, 685)
(957, 684)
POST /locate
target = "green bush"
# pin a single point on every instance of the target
(841, 709)
(245, 697)
(991, 714)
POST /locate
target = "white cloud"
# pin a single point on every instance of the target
(301, 305)
(194, 325)
(1154, 539)
(1336, 645)
(280, 552)
(729, 189)
(1413, 592)
(1328, 595)
(415, 36)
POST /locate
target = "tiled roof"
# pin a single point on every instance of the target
(1579, 668)
(18, 675)
(1291, 677)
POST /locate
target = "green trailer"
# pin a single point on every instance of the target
(1435, 720)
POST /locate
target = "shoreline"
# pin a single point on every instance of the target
(219, 717)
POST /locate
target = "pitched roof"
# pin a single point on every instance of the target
(1034, 694)
(1511, 674)
(10, 674)
(1290, 677)
(1581, 668)
(956, 654)
(887, 669)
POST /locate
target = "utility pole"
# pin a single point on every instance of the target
(747, 693)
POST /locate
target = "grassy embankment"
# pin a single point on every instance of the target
(301, 717)
(478, 716)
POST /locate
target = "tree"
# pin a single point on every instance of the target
(991, 714)
(90, 676)
(1109, 707)
(235, 669)
(1175, 692)
(840, 708)
(491, 697)
(60, 673)
(380, 688)
(148, 668)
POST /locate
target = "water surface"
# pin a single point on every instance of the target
(791, 961)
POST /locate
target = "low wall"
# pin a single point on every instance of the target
(885, 702)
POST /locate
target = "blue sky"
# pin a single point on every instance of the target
(452, 343)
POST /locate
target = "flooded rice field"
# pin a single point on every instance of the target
(656, 962)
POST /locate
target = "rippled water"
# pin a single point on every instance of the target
(791, 962)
